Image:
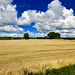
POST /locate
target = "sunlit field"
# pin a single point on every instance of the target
(35, 55)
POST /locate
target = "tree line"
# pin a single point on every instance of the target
(51, 35)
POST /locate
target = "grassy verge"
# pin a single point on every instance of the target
(67, 70)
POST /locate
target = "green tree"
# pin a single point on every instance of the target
(58, 35)
(53, 35)
(26, 36)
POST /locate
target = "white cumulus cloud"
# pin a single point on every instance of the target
(8, 13)
(57, 18)
(11, 29)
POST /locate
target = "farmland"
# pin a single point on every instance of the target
(35, 55)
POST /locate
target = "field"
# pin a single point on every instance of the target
(35, 55)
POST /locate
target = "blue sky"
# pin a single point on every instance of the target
(37, 17)
(39, 5)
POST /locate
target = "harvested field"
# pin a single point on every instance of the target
(35, 55)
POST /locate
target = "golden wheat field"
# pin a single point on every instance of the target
(35, 55)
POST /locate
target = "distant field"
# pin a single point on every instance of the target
(35, 55)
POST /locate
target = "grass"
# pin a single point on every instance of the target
(35, 55)
(44, 51)
(3, 54)
(8, 54)
(67, 70)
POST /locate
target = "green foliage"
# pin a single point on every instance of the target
(26, 36)
(10, 38)
(47, 71)
(30, 73)
(67, 70)
(69, 38)
(53, 35)
(41, 37)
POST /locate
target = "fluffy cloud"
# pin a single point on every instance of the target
(32, 34)
(3, 34)
(24, 19)
(5, 2)
(15, 31)
(8, 14)
(11, 29)
(57, 18)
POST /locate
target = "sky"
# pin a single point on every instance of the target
(37, 17)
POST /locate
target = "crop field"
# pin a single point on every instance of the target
(35, 55)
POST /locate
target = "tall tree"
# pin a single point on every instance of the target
(53, 35)
(26, 36)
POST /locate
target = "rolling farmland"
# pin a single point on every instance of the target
(35, 55)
